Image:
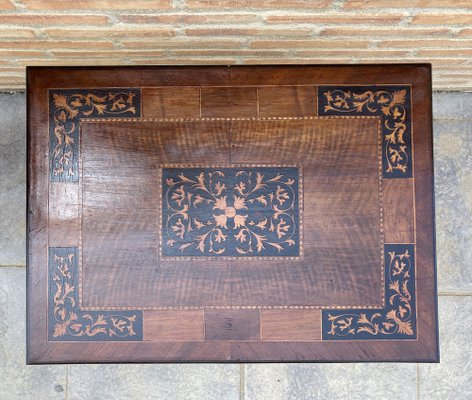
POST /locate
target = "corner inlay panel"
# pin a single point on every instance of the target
(67, 321)
(397, 320)
(392, 104)
(67, 108)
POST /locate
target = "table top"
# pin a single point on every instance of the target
(231, 214)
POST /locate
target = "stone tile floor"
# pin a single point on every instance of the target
(451, 379)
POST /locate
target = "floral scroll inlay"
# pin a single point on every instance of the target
(397, 320)
(230, 212)
(392, 104)
(67, 321)
(67, 107)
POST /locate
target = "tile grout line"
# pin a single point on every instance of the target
(417, 382)
(19, 266)
(454, 294)
(67, 382)
(241, 382)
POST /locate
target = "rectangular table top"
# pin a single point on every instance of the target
(265, 213)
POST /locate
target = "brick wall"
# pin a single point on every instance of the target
(132, 32)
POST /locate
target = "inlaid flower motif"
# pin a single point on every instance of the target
(230, 211)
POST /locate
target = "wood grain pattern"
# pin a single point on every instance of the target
(171, 102)
(64, 211)
(291, 325)
(121, 223)
(288, 101)
(216, 310)
(171, 326)
(232, 325)
(398, 206)
(229, 102)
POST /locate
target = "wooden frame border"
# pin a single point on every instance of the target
(425, 348)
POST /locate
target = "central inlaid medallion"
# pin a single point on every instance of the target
(241, 211)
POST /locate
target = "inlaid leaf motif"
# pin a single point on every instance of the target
(239, 203)
(281, 195)
(220, 236)
(220, 203)
(221, 220)
(262, 225)
(241, 187)
(239, 220)
(282, 228)
(179, 195)
(262, 199)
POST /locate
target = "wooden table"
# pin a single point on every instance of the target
(269, 213)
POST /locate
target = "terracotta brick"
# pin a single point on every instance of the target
(188, 19)
(308, 44)
(6, 81)
(445, 53)
(359, 4)
(448, 84)
(21, 54)
(11, 70)
(16, 33)
(465, 32)
(352, 53)
(96, 4)
(421, 43)
(454, 68)
(248, 32)
(334, 19)
(182, 43)
(6, 5)
(443, 19)
(70, 62)
(439, 62)
(297, 60)
(106, 33)
(229, 53)
(106, 54)
(458, 76)
(51, 44)
(184, 61)
(271, 4)
(435, 62)
(34, 19)
(375, 32)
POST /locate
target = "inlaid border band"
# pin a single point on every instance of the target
(270, 307)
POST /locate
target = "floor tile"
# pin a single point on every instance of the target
(17, 380)
(452, 377)
(453, 192)
(173, 382)
(330, 381)
(452, 105)
(12, 179)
